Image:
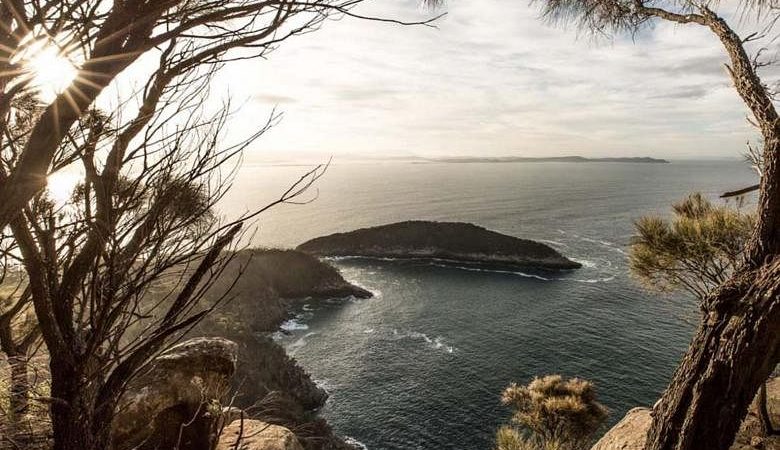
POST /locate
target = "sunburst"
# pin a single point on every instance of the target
(50, 69)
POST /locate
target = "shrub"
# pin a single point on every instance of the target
(551, 413)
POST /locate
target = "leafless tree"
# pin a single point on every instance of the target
(154, 166)
(117, 273)
(737, 344)
(109, 36)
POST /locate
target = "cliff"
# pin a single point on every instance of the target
(449, 241)
(267, 380)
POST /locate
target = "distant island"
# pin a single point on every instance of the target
(574, 159)
(448, 241)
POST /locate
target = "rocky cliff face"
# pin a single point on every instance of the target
(631, 432)
(257, 435)
(449, 241)
(168, 405)
(267, 380)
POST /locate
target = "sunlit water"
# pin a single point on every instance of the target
(421, 365)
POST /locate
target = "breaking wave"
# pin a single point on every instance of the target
(437, 343)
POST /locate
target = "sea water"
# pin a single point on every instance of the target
(421, 365)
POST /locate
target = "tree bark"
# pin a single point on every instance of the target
(731, 356)
(737, 345)
(20, 385)
(76, 422)
(763, 413)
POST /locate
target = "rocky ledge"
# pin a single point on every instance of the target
(631, 432)
(456, 242)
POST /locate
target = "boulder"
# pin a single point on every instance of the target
(257, 435)
(629, 434)
(175, 403)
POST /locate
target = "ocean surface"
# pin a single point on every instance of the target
(422, 364)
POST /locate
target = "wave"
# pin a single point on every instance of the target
(325, 385)
(584, 262)
(299, 343)
(355, 443)
(592, 280)
(293, 325)
(477, 269)
(351, 277)
(437, 343)
(447, 264)
(530, 275)
(278, 336)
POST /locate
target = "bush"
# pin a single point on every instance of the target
(551, 413)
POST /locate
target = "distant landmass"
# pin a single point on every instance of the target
(574, 159)
(446, 241)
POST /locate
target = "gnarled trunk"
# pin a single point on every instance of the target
(737, 345)
(763, 413)
(731, 356)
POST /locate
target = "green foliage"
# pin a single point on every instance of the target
(551, 413)
(696, 250)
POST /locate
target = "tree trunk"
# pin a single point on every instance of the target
(76, 423)
(737, 346)
(20, 386)
(763, 413)
(732, 354)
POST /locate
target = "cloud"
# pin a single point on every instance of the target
(493, 79)
(273, 99)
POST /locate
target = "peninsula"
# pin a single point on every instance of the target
(456, 242)
(568, 159)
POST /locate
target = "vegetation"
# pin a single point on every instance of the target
(737, 344)
(153, 163)
(697, 250)
(551, 413)
(454, 241)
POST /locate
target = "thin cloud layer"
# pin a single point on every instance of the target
(493, 79)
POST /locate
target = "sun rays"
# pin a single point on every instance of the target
(51, 71)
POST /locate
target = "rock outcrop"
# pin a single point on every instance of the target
(257, 435)
(172, 404)
(267, 380)
(448, 241)
(631, 432)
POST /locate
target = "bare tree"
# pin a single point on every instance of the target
(144, 213)
(139, 224)
(109, 36)
(143, 219)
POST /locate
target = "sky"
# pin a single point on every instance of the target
(492, 79)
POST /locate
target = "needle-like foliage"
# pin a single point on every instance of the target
(695, 250)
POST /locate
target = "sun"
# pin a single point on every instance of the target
(51, 71)
(60, 186)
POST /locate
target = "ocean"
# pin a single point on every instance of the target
(421, 365)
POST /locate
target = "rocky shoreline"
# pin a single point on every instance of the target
(267, 381)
